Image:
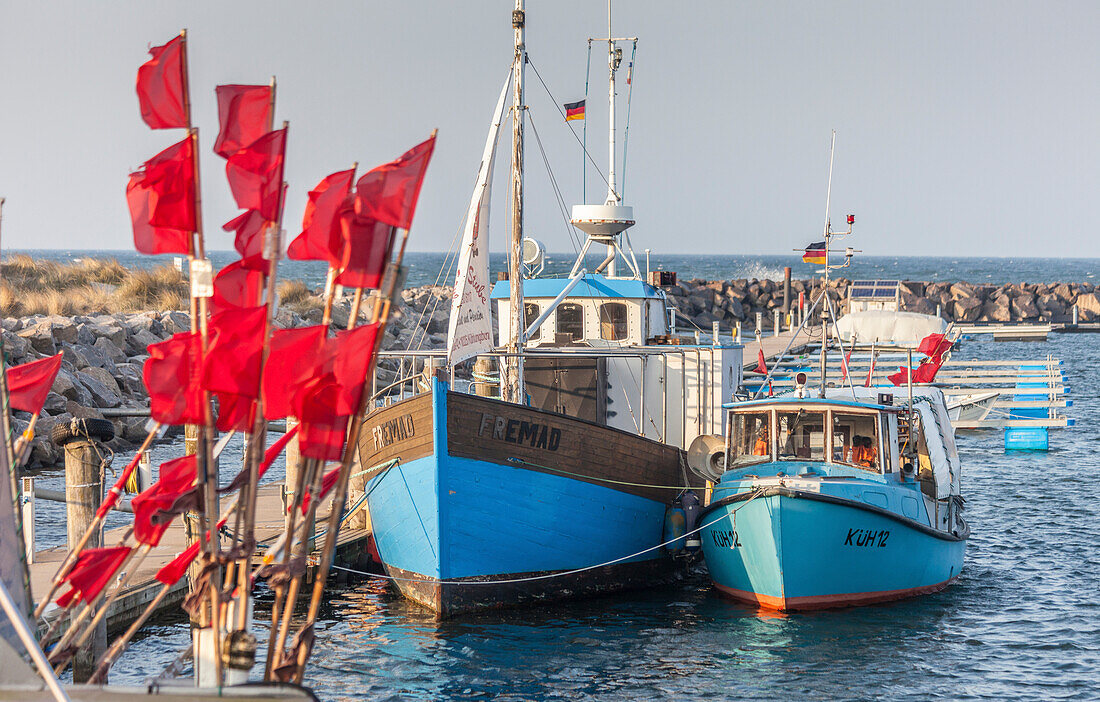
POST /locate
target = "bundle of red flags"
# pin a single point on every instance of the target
(935, 346)
(93, 570)
(30, 383)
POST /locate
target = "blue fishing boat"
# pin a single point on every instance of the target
(823, 507)
(549, 465)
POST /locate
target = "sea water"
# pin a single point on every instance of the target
(1022, 622)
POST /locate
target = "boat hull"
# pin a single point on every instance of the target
(792, 550)
(465, 521)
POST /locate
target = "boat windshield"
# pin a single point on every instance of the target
(855, 440)
(751, 439)
(800, 435)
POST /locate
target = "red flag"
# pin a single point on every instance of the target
(845, 366)
(934, 346)
(366, 251)
(160, 87)
(323, 427)
(761, 366)
(93, 570)
(173, 570)
(30, 383)
(924, 373)
(171, 375)
(321, 238)
(234, 351)
(147, 238)
(899, 378)
(355, 349)
(236, 286)
(255, 174)
(250, 228)
(328, 481)
(171, 176)
(155, 507)
(389, 193)
(244, 115)
(235, 412)
(292, 357)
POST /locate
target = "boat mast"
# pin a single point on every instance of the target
(515, 389)
(613, 198)
(825, 288)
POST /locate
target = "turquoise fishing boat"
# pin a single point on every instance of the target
(824, 504)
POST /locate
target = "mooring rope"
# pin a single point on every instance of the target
(549, 575)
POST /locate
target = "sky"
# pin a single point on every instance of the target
(966, 129)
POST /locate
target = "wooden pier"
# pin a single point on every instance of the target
(351, 549)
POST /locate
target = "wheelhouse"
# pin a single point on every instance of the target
(855, 434)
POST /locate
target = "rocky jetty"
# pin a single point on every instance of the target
(101, 371)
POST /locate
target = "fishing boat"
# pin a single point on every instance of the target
(834, 497)
(549, 470)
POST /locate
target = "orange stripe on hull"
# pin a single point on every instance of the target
(852, 599)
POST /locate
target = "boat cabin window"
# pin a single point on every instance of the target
(531, 312)
(613, 321)
(800, 435)
(571, 320)
(751, 439)
(855, 440)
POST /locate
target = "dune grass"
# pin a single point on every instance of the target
(90, 286)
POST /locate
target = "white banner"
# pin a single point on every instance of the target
(470, 330)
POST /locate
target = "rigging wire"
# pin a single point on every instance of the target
(554, 184)
(584, 128)
(571, 130)
(626, 129)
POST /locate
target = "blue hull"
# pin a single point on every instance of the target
(791, 550)
(460, 534)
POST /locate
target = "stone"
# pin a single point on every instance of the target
(73, 356)
(1052, 304)
(84, 335)
(997, 310)
(110, 350)
(176, 322)
(55, 403)
(132, 428)
(1024, 307)
(918, 304)
(113, 332)
(1088, 306)
(40, 337)
(141, 340)
(129, 379)
(82, 412)
(16, 346)
(103, 395)
(959, 290)
(66, 385)
(62, 328)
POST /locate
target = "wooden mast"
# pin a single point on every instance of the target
(514, 387)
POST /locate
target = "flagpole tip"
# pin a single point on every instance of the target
(434, 132)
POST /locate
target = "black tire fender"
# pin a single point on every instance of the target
(82, 428)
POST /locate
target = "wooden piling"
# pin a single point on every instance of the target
(83, 494)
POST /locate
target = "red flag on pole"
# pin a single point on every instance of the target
(366, 252)
(147, 238)
(155, 507)
(328, 481)
(93, 570)
(389, 192)
(761, 366)
(235, 412)
(171, 176)
(236, 286)
(293, 358)
(250, 228)
(171, 375)
(323, 427)
(255, 174)
(244, 115)
(845, 366)
(934, 346)
(234, 351)
(173, 570)
(355, 349)
(321, 238)
(30, 383)
(160, 87)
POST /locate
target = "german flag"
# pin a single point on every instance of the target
(574, 110)
(815, 253)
